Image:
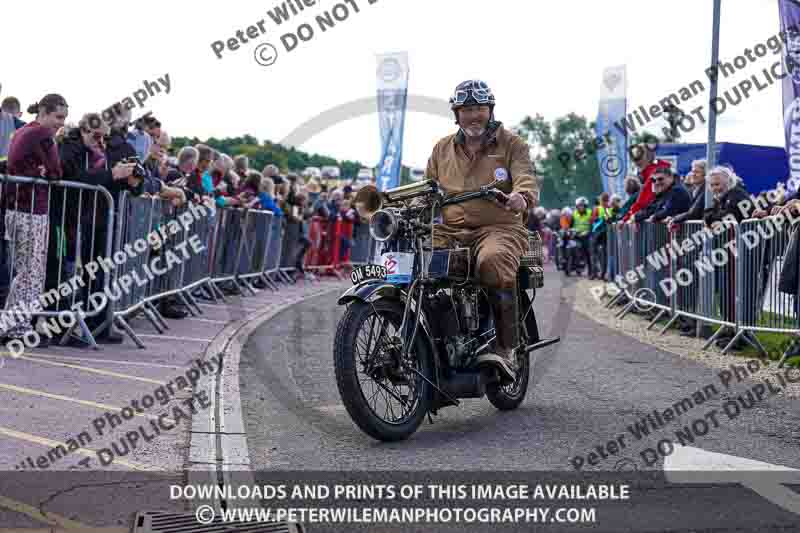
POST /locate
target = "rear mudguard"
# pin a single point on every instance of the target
(372, 290)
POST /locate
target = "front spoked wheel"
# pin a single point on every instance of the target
(384, 393)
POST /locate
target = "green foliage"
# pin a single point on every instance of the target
(561, 157)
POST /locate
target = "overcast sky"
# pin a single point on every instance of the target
(539, 56)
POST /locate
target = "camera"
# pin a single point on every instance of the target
(138, 170)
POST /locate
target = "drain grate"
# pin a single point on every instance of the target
(161, 522)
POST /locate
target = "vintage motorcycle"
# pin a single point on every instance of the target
(406, 345)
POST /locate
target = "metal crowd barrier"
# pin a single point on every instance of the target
(44, 254)
(729, 277)
(168, 233)
(762, 245)
(79, 230)
(290, 248)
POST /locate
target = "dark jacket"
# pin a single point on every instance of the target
(74, 161)
(669, 203)
(698, 206)
(728, 204)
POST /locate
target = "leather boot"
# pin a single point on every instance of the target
(506, 316)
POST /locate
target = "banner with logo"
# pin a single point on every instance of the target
(790, 27)
(613, 146)
(392, 96)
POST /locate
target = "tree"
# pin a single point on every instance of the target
(562, 156)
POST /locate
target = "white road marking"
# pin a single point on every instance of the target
(695, 465)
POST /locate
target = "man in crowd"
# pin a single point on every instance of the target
(138, 137)
(581, 223)
(727, 198)
(697, 181)
(644, 157)
(671, 198)
(9, 123)
(12, 106)
(600, 216)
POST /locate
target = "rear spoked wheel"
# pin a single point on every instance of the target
(510, 396)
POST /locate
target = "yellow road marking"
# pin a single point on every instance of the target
(169, 338)
(92, 370)
(51, 519)
(64, 530)
(13, 433)
(93, 360)
(104, 406)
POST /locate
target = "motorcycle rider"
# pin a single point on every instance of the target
(481, 151)
(581, 223)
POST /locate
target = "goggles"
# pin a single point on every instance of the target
(479, 91)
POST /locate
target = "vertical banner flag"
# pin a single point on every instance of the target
(613, 150)
(392, 94)
(790, 28)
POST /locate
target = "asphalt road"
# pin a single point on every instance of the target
(585, 391)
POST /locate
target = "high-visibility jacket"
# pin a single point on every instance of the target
(581, 222)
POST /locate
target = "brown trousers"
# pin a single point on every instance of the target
(498, 249)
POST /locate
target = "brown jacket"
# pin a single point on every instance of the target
(451, 167)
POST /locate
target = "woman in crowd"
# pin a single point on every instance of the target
(266, 195)
(33, 153)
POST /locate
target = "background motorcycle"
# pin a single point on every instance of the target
(406, 344)
(569, 258)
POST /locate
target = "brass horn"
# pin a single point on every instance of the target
(369, 199)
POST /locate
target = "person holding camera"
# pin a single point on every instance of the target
(95, 154)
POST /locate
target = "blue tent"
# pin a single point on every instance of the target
(761, 167)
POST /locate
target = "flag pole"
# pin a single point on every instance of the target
(706, 286)
(712, 112)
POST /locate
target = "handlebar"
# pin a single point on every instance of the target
(484, 192)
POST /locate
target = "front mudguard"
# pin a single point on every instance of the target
(371, 291)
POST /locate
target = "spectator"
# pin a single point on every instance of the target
(249, 188)
(271, 172)
(600, 216)
(632, 188)
(727, 196)
(183, 174)
(241, 165)
(536, 219)
(138, 136)
(789, 281)
(12, 106)
(224, 181)
(207, 156)
(152, 126)
(727, 193)
(33, 153)
(314, 189)
(671, 197)
(266, 196)
(644, 157)
(697, 180)
(85, 159)
(9, 123)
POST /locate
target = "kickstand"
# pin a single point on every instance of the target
(430, 418)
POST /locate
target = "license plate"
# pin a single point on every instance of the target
(363, 272)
